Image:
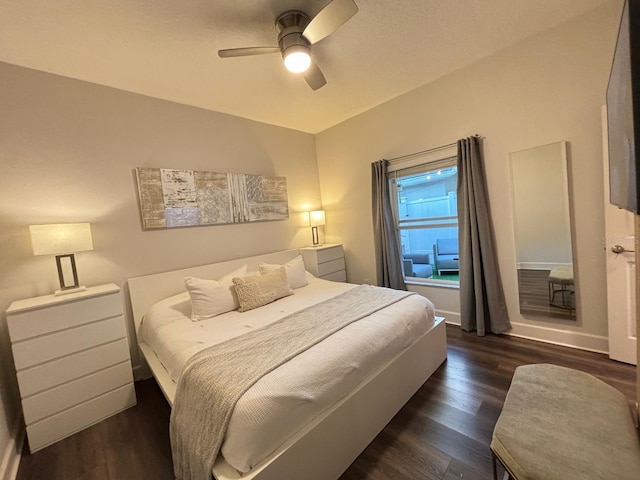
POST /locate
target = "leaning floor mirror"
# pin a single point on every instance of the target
(544, 259)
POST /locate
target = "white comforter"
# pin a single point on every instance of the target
(286, 399)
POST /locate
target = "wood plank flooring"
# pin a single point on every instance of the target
(442, 433)
(533, 288)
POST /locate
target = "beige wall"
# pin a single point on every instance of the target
(545, 89)
(67, 154)
(540, 207)
(68, 149)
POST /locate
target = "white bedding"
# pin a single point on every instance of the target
(287, 398)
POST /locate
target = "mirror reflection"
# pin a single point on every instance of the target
(542, 232)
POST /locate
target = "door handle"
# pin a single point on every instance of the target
(620, 249)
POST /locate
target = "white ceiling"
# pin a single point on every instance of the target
(168, 49)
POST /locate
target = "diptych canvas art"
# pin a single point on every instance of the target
(181, 198)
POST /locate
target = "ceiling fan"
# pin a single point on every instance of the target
(296, 33)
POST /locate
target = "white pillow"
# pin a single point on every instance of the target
(296, 274)
(213, 297)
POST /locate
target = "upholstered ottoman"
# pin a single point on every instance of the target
(562, 424)
(561, 282)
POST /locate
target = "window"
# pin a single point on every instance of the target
(427, 219)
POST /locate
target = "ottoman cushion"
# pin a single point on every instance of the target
(559, 423)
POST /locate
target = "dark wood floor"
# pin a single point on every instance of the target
(442, 433)
(533, 288)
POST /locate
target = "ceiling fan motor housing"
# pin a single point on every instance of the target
(290, 26)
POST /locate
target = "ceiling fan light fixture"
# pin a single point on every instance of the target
(297, 58)
(297, 33)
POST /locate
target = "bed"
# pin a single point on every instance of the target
(323, 445)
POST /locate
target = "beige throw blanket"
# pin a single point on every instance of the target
(214, 379)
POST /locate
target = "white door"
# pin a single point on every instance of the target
(621, 277)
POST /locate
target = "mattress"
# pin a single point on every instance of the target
(286, 399)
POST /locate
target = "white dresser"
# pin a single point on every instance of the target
(325, 261)
(71, 355)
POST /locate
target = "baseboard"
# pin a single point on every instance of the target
(540, 265)
(13, 452)
(564, 338)
(452, 318)
(554, 336)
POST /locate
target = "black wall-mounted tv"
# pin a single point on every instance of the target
(623, 111)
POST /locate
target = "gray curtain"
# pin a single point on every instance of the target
(387, 249)
(482, 304)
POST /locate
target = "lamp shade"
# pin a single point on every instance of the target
(316, 218)
(60, 238)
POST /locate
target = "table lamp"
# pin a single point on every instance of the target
(316, 218)
(62, 240)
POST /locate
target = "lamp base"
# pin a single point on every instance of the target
(66, 291)
(314, 236)
(64, 286)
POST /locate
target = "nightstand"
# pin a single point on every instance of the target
(71, 355)
(325, 261)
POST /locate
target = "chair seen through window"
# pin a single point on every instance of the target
(427, 220)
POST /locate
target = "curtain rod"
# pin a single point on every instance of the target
(416, 154)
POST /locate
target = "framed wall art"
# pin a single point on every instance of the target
(172, 198)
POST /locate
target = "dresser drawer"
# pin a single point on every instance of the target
(49, 402)
(42, 349)
(330, 267)
(329, 254)
(70, 421)
(31, 323)
(340, 276)
(42, 377)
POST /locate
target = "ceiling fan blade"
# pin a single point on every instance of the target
(329, 19)
(243, 52)
(314, 77)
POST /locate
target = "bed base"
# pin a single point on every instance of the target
(324, 448)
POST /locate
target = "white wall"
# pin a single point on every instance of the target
(546, 89)
(67, 154)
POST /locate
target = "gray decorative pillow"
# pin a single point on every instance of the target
(258, 290)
